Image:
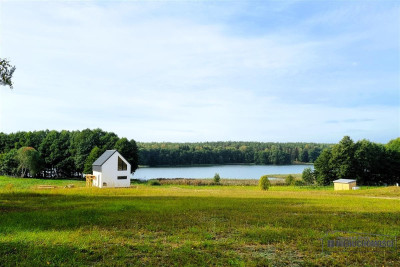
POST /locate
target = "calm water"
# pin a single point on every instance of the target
(225, 171)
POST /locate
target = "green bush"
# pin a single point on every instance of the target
(299, 183)
(308, 176)
(290, 180)
(217, 178)
(264, 182)
(154, 182)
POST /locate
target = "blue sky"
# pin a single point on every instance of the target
(204, 71)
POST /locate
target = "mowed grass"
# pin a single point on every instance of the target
(178, 225)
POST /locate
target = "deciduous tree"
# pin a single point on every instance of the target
(29, 161)
(6, 73)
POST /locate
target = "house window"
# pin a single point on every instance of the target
(121, 165)
(122, 177)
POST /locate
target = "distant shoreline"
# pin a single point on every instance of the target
(233, 164)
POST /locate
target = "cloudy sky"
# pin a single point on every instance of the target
(204, 71)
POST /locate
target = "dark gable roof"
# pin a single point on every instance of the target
(104, 157)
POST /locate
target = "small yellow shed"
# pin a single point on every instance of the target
(344, 184)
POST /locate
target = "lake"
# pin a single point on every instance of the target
(225, 171)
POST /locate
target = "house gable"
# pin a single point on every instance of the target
(112, 170)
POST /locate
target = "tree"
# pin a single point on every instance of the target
(323, 171)
(289, 180)
(94, 154)
(129, 151)
(308, 176)
(367, 162)
(6, 73)
(394, 145)
(29, 161)
(81, 144)
(304, 156)
(217, 178)
(9, 163)
(264, 182)
(343, 162)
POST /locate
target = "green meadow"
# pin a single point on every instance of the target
(188, 225)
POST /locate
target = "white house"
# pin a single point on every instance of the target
(111, 169)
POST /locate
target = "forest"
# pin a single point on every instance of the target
(168, 154)
(367, 162)
(56, 154)
(67, 154)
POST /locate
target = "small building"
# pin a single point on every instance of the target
(344, 184)
(111, 169)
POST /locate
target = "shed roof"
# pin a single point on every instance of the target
(104, 157)
(345, 181)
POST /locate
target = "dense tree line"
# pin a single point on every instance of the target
(59, 153)
(156, 154)
(367, 162)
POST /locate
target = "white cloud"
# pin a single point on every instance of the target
(123, 69)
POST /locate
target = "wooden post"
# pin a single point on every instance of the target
(89, 180)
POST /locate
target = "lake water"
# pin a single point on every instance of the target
(225, 171)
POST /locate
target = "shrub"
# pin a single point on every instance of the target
(308, 176)
(299, 183)
(154, 182)
(217, 178)
(264, 182)
(289, 180)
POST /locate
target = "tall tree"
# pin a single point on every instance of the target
(323, 172)
(29, 161)
(129, 151)
(394, 144)
(94, 154)
(9, 163)
(342, 161)
(369, 163)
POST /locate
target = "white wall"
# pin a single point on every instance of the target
(97, 181)
(109, 173)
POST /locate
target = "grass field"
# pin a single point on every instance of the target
(183, 225)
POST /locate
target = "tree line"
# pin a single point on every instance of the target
(170, 154)
(367, 162)
(54, 154)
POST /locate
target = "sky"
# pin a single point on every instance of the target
(189, 71)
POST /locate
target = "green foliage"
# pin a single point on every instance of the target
(394, 145)
(322, 168)
(6, 73)
(289, 180)
(158, 154)
(369, 163)
(304, 156)
(63, 154)
(299, 183)
(94, 154)
(129, 151)
(217, 178)
(9, 163)
(264, 182)
(308, 176)
(154, 182)
(28, 161)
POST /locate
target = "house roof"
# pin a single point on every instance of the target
(104, 157)
(344, 181)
